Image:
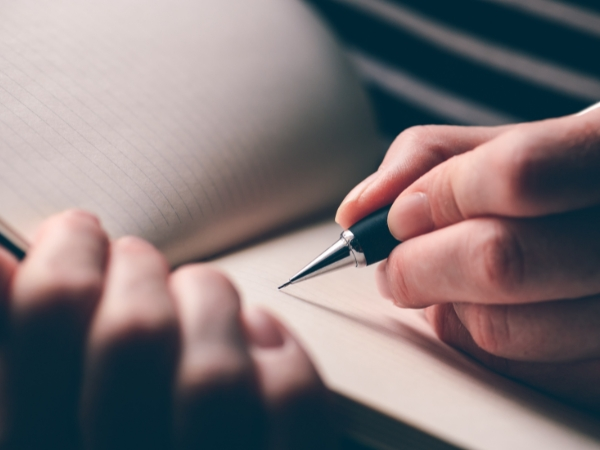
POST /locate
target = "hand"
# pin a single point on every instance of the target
(102, 348)
(502, 231)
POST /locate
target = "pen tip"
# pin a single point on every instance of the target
(284, 285)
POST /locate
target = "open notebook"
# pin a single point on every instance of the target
(204, 125)
(195, 124)
(390, 360)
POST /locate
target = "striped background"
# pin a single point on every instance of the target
(476, 62)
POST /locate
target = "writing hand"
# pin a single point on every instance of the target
(502, 231)
(103, 348)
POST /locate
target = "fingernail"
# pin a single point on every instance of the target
(382, 282)
(263, 330)
(355, 193)
(410, 216)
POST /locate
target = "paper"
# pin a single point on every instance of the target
(389, 359)
(196, 125)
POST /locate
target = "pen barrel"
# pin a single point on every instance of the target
(374, 237)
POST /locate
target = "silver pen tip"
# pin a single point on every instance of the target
(287, 283)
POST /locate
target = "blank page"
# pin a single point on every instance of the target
(389, 359)
(194, 124)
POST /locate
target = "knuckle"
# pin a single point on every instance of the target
(490, 328)
(188, 273)
(59, 289)
(141, 333)
(417, 134)
(423, 136)
(497, 258)
(205, 276)
(77, 217)
(587, 135)
(65, 274)
(74, 221)
(135, 245)
(421, 133)
(85, 283)
(521, 168)
(301, 384)
(140, 251)
(213, 293)
(217, 368)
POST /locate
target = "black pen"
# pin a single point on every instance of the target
(366, 242)
(9, 245)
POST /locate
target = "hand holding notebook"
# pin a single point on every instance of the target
(107, 349)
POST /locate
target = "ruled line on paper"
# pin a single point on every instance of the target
(37, 132)
(63, 174)
(130, 110)
(128, 60)
(103, 137)
(235, 154)
(89, 158)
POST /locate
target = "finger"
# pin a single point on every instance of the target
(293, 392)
(53, 296)
(561, 331)
(414, 152)
(531, 170)
(575, 382)
(217, 399)
(499, 261)
(131, 353)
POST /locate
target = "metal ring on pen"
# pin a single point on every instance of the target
(355, 248)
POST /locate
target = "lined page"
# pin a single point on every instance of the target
(389, 359)
(195, 125)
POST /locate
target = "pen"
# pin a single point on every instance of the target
(366, 242)
(12, 247)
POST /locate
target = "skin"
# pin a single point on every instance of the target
(103, 348)
(502, 244)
